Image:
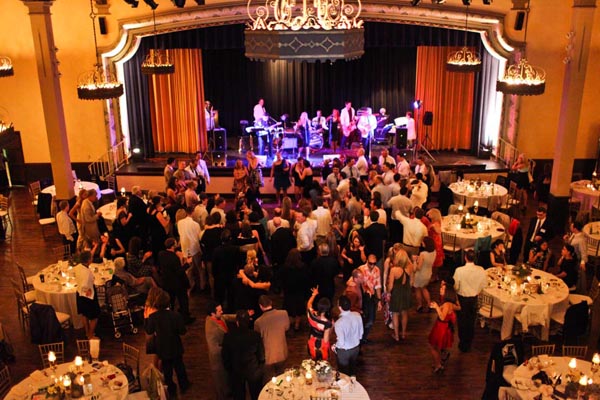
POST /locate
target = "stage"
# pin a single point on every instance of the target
(148, 173)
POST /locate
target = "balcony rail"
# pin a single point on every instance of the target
(109, 162)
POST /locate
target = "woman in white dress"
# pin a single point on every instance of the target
(423, 267)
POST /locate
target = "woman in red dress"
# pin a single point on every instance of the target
(441, 336)
(320, 327)
(434, 231)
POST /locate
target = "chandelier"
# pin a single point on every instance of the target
(157, 61)
(464, 60)
(99, 83)
(522, 78)
(315, 30)
(6, 67)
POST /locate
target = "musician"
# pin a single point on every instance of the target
(366, 125)
(209, 116)
(319, 122)
(333, 125)
(302, 129)
(347, 119)
(411, 132)
(202, 173)
(259, 113)
(382, 115)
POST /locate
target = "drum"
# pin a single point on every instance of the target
(316, 141)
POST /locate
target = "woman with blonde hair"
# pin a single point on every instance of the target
(398, 283)
(75, 213)
(287, 211)
(521, 168)
(240, 177)
(434, 231)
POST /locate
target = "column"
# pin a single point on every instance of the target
(582, 20)
(48, 75)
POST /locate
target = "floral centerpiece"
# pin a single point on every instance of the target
(521, 272)
(321, 368)
(585, 392)
(468, 222)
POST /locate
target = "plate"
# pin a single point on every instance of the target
(521, 383)
(97, 366)
(116, 384)
(500, 229)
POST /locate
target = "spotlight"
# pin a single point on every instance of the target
(132, 3)
(438, 1)
(466, 2)
(415, 2)
(487, 2)
(200, 2)
(417, 104)
(153, 4)
(179, 3)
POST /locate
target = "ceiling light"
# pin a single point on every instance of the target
(153, 4)
(415, 2)
(179, 3)
(157, 61)
(6, 67)
(132, 3)
(464, 60)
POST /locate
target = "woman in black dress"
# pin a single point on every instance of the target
(498, 254)
(353, 255)
(307, 179)
(568, 267)
(295, 283)
(121, 226)
(158, 225)
(333, 124)
(280, 173)
(86, 295)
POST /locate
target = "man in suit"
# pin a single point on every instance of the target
(539, 228)
(272, 325)
(323, 271)
(226, 262)
(215, 329)
(173, 278)
(90, 217)
(137, 207)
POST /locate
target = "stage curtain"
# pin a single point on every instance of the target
(448, 95)
(177, 105)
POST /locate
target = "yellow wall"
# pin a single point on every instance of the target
(550, 22)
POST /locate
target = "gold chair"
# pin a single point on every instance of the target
(542, 349)
(5, 381)
(5, 213)
(449, 245)
(22, 308)
(29, 296)
(27, 282)
(487, 313)
(34, 189)
(83, 349)
(131, 357)
(62, 253)
(59, 351)
(574, 351)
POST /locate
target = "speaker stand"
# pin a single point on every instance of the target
(427, 140)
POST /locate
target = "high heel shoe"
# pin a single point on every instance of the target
(439, 370)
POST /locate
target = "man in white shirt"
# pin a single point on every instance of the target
(259, 112)
(276, 222)
(395, 186)
(346, 120)
(387, 173)
(349, 331)
(402, 166)
(366, 125)
(202, 172)
(385, 157)
(350, 169)
(414, 231)
(319, 122)
(189, 236)
(419, 193)
(219, 208)
(66, 227)
(323, 217)
(411, 131)
(200, 212)
(469, 281)
(305, 237)
(361, 163)
(334, 178)
(384, 190)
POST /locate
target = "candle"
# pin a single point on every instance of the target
(123, 191)
(476, 204)
(573, 363)
(78, 361)
(288, 378)
(596, 358)
(308, 378)
(583, 381)
(81, 380)
(66, 381)
(460, 207)
(51, 357)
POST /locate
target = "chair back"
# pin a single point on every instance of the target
(594, 289)
(83, 349)
(483, 244)
(574, 351)
(502, 218)
(59, 350)
(484, 301)
(501, 180)
(25, 285)
(111, 182)
(44, 205)
(4, 204)
(542, 349)
(5, 381)
(131, 357)
(62, 253)
(593, 246)
(35, 188)
(449, 240)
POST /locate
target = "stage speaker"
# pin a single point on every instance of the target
(401, 138)
(519, 20)
(219, 158)
(428, 118)
(102, 25)
(220, 139)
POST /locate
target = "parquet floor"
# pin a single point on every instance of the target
(389, 371)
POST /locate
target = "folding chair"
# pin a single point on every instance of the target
(5, 213)
(58, 349)
(26, 282)
(83, 349)
(574, 351)
(449, 245)
(487, 313)
(5, 381)
(131, 357)
(62, 253)
(542, 349)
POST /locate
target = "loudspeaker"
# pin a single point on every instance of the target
(219, 159)
(102, 24)
(401, 138)
(519, 20)
(220, 139)
(428, 118)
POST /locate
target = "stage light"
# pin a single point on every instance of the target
(438, 1)
(153, 4)
(415, 2)
(200, 2)
(487, 2)
(179, 3)
(132, 3)
(417, 104)
(466, 2)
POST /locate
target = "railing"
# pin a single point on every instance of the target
(110, 161)
(506, 152)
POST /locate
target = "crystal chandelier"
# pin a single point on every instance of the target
(307, 30)
(522, 78)
(6, 67)
(99, 83)
(157, 61)
(464, 60)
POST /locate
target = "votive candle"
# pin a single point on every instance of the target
(78, 361)
(573, 363)
(308, 378)
(274, 380)
(51, 357)
(66, 381)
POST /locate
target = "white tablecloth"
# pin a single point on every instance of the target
(587, 196)
(41, 379)
(109, 212)
(76, 187)
(489, 195)
(523, 386)
(59, 290)
(465, 238)
(556, 299)
(587, 231)
(298, 390)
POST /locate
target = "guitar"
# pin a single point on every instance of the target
(348, 129)
(364, 126)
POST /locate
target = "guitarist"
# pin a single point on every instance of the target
(347, 117)
(366, 125)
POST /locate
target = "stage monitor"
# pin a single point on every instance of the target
(262, 160)
(401, 121)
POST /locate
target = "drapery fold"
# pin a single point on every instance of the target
(177, 105)
(448, 95)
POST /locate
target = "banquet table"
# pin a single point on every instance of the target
(109, 212)
(488, 195)
(587, 195)
(297, 389)
(76, 187)
(523, 387)
(465, 238)
(592, 230)
(502, 287)
(104, 378)
(59, 287)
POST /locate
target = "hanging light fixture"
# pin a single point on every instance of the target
(6, 67)
(464, 60)
(157, 61)
(522, 78)
(99, 83)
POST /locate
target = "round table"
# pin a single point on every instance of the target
(76, 188)
(524, 387)
(109, 213)
(59, 287)
(592, 230)
(587, 195)
(465, 238)
(100, 372)
(554, 300)
(488, 195)
(298, 390)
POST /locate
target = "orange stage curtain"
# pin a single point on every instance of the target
(448, 95)
(177, 105)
